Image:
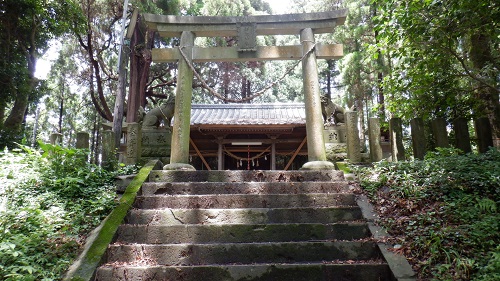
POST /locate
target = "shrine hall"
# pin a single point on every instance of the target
(248, 136)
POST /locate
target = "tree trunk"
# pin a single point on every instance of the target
(243, 87)
(61, 109)
(120, 100)
(15, 120)
(145, 64)
(225, 80)
(380, 75)
(94, 142)
(248, 91)
(2, 112)
(101, 104)
(481, 56)
(140, 63)
(99, 101)
(133, 100)
(362, 124)
(35, 126)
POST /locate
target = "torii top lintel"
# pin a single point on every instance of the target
(208, 26)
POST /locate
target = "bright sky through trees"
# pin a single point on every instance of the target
(280, 6)
(44, 64)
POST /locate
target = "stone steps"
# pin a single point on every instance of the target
(241, 233)
(243, 216)
(238, 201)
(246, 176)
(200, 188)
(372, 271)
(244, 225)
(246, 253)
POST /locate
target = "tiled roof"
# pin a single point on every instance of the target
(248, 114)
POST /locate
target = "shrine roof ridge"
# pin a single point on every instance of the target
(248, 114)
(250, 105)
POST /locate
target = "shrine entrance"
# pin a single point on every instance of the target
(246, 29)
(242, 136)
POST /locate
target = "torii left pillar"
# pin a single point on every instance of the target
(179, 155)
(314, 120)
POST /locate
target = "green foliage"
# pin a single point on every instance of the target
(127, 169)
(438, 64)
(26, 27)
(491, 271)
(162, 7)
(444, 209)
(51, 200)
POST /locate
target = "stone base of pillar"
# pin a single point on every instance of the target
(318, 165)
(178, 167)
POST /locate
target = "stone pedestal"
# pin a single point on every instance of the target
(335, 137)
(396, 134)
(122, 182)
(439, 131)
(462, 136)
(82, 140)
(418, 138)
(134, 143)
(56, 139)
(352, 132)
(335, 134)
(108, 149)
(156, 144)
(374, 139)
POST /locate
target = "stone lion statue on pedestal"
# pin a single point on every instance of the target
(331, 112)
(158, 115)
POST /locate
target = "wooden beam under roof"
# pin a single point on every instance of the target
(213, 26)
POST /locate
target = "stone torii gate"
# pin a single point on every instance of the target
(246, 29)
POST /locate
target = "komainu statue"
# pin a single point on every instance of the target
(157, 115)
(331, 111)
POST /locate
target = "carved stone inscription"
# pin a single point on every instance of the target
(133, 143)
(335, 134)
(247, 37)
(156, 142)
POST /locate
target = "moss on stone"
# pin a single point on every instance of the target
(336, 151)
(343, 167)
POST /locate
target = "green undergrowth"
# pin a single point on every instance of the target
(443, 211)
(50, 199)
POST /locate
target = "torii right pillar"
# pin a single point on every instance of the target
(314, 121)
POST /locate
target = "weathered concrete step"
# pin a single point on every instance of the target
(245, 176)
(242, 253)
(199, 188)
(231, 201)
(373, 271)
(240, 233)
(243, 216)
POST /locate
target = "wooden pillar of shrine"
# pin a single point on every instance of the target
(273, 154)
(220, 154)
